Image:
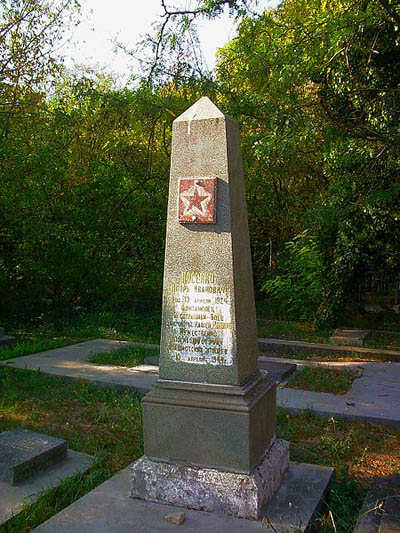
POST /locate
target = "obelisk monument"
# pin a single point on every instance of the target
(209, 423)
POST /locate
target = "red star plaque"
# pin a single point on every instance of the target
(197, 200)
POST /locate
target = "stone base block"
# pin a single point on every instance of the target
(228, 428)
(240, 495)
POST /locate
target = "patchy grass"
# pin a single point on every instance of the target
(334, 356)
(360, 450)
(300, 331)
(103, 422)
(27, 347)
(305, 331)
(390, 340)
(129, 356)
(322, 379)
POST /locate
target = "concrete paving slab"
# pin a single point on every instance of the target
(277, 370)
(109, 508)
(13, 497)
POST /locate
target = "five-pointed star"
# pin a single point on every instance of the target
(195, 201)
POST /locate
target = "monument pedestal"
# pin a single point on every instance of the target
(207, 489)
(210, 426)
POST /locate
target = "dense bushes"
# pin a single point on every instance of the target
(84, 168)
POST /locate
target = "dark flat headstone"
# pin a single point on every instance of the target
(24, 453)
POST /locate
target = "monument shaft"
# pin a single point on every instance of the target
(209, 324)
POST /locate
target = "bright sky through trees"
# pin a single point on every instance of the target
(104, 22)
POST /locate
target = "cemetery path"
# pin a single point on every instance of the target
(374, 397)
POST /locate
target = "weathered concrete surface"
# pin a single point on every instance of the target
(70, 362)
(350, 337)
(12, 497)
(241, 495)
(380, 512)
(277, 370)
(108, 508)
(270, 346)
(24, 453)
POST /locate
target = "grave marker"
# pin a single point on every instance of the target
(209, 424)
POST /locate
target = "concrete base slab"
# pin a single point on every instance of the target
(13, 497)
(109, 508)
(241, 495)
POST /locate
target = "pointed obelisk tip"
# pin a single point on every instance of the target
(201, 110)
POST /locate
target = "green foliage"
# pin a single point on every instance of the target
(299, 287)
(84, 166)
(316, 89)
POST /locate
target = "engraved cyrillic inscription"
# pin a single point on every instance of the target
(200, 326)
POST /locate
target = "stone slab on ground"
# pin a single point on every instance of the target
(6, 340)
(270, 346)
(380, 512)
(350, 337)
(109, 508)
(13, 497)
(24, 453)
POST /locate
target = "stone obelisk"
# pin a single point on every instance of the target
(209, 423)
